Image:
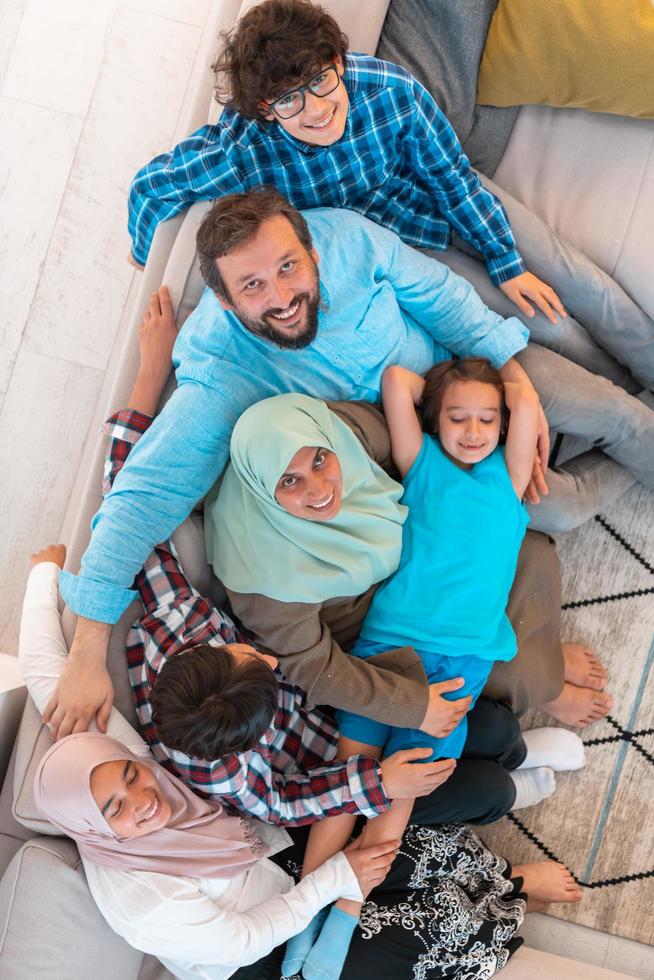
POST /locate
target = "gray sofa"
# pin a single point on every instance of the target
(49, 926)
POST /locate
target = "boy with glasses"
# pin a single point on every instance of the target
(329, 128)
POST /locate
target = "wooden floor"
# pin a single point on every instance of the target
(88, 93)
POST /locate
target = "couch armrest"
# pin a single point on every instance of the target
(44, 894)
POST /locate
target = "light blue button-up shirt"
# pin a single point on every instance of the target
(383, 303)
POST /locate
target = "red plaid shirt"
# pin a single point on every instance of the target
(290, 776)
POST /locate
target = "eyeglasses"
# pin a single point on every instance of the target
(292, 103)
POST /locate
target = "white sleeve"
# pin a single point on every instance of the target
(175, 920)
(42, 650)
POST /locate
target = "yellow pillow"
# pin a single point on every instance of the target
(591, 54)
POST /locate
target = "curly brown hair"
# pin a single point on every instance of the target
(275, 47)
(439, 377)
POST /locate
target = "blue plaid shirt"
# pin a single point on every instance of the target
(399, 162)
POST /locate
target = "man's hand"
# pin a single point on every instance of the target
(54, 552)
(404, 781)
(528, 286)
(84, 691)
(443, 716)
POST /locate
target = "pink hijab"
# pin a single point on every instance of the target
(200, 840)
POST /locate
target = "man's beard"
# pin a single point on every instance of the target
(262, 327)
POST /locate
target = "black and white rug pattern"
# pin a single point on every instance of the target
(600, 821)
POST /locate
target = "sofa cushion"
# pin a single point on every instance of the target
(12, 833)
(441, 44)
(44, 893)
(588, 54)
(590, 176)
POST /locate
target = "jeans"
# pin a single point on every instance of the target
(605, 330)
(619, 426)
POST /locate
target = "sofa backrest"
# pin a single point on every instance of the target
(172, 261)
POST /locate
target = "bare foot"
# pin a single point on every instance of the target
(579, 706)
(545, 882)
(583, 667)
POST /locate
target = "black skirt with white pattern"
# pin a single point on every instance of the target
(448, 908)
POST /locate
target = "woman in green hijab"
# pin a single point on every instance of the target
(303, 528)
(302, 488)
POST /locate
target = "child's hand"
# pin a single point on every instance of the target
(157, 334)
(403, 780)
(442, 715)
(54, 552)
(537, 486)
(371, 864)
(530, 286)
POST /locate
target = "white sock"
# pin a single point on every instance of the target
(556, 748)
(532, 786)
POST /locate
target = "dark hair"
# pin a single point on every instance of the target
(276, 46)
(206, 704)
(441, 376)
(234, 220)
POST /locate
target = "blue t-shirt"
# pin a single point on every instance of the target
(460, 548)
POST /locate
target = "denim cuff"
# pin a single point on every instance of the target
(95, 600)
(503, 343)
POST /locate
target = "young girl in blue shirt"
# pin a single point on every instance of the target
(449, 594)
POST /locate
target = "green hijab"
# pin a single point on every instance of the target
(256, 546)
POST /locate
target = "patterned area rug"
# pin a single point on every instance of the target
(600, 821)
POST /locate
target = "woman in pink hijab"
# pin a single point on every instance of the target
(173, 873)
(129, 812)
(179, 878)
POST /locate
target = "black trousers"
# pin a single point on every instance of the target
(480, 790)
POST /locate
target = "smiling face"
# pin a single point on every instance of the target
(129, 798)
(469, 422)
(272, 285)
(322, 120)
(311, 487)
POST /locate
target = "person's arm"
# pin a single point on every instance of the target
(247, 783)
(197, 169)
(172, 467)
(390, 687)
(42, 648)
(444, 304)
(157, 336)
(522, 436)
(435, 153)
(401, 392)
(514, 373)
(172, 918)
